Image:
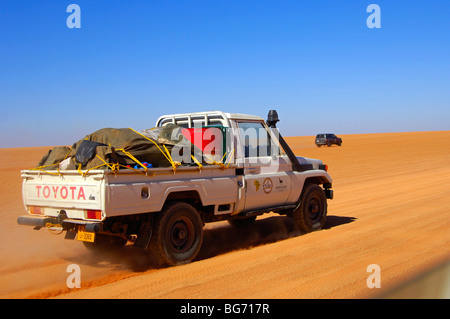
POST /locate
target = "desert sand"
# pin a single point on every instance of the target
(391, 208)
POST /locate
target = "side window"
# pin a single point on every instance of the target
(255, 139)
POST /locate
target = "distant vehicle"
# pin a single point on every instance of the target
(328, 139)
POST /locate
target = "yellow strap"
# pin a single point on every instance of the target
(197, 162)
(133, 158)
(65, 157)
(79, 169)
(169, 157)
(115, 166)
(223, 157)
(87, 171)
(43, 170)
(110, 166)
(43, 166)
(220, 164)
(229, 157)
(134, 169)
(170, 161)
(166, 154)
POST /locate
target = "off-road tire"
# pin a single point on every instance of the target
(177, 235)
(310, 215)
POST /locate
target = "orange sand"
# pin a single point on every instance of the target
(391, 208)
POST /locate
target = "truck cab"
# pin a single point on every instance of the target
(267, 179)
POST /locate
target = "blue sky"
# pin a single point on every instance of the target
(316, 62)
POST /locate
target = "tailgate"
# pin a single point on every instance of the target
(81, 197)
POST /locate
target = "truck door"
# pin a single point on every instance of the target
(266, 172)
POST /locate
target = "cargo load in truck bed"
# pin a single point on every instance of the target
(111, 148)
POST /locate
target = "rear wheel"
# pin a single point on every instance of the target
(177, 235)
(312, 212)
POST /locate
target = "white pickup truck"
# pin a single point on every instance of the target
(164, 210)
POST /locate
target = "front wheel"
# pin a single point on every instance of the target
(177, 235)
(310, 215)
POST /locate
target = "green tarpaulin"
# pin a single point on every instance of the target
(108, 145)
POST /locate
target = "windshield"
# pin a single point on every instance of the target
(257, 141)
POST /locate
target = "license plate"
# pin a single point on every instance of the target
(85, 236)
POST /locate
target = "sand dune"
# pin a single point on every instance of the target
(391, 208)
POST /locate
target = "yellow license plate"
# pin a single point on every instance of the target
(85, 236)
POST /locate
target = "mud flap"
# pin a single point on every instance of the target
(70, 235)
(144, 235)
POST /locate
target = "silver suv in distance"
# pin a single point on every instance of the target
(327, 139)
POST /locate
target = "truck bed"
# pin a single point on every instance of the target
(99, 194)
